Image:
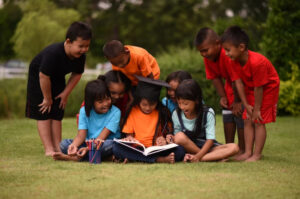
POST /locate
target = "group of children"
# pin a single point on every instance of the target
(125, 102)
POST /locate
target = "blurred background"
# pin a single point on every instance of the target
(166, 28)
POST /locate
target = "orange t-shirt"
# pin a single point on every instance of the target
(141, 63)
(142, 125)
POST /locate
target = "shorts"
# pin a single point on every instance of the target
(33, 111)
(228, 117)
(200, 143)
(268, 114)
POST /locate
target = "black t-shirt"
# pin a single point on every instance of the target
(53, 62)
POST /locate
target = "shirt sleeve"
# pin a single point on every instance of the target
(114, 120)
(83, 120)
(210, 125)
(176, 123)
(145, 64)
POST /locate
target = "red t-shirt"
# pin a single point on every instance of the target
(219, 69)
(258, 71)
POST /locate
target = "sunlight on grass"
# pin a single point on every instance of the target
(26, 173)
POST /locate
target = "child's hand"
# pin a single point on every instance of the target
(63, 100)
(170, 138)
(256, 116)
(72, 150)
(160, 141)
(237, 108)
(224, 102)
(45, 106)
(190, 158)
(82, 151)
(130, 139)
(249, 110)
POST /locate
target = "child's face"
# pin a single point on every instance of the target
(210, 49)
(146, 106)
(116, 90)
(102, 106)
(77, 48)
(171, 91)
(232, 51)
(120, 60)
(188, 107)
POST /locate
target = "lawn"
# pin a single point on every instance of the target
(26, 173)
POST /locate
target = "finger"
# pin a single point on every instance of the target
(49, 109)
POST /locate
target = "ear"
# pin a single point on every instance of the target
(68, 41)
(242, 47)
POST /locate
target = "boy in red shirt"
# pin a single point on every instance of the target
(257, 83)
(216, 67)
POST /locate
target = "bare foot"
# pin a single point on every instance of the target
(49, 153)
(242, 157)
(167, 159)
(253, 158)
(62, 156)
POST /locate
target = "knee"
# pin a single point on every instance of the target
(234, 148)
(180, 138)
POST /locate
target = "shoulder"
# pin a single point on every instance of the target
(256, 58)
(82, 111)
(114, 110)
(56, 48)
(164, 100)
(137, 51)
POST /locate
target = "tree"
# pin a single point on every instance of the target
(10, 15)
(282, 37)
(42, 24)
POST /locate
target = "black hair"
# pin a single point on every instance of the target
(164, 116)
(236, 36)
(203, 34)
(95, 90)
(113, 49)
(189, 89)
(116, 77)
(79, 29)
(178, 76)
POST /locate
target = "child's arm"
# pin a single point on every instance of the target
(217, 82)
(104, 134)
(79, 139)
(45, 84)
(72, 82)
(237, 104)
(240, 88)
(258, 96)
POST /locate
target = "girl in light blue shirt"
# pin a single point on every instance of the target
(98, 119)
(194, 126)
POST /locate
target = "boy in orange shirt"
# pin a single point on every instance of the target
(217, 65)
(131, 61)
(260, 94)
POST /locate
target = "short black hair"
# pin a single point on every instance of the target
(203, 34)
(95, 90)
(179, 76)
(113, 49)
(79, 29)
(236, 35)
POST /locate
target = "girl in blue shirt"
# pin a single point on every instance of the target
(194, 126)
(174, 79)
(98, 119)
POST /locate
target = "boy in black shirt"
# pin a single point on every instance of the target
(47, 92)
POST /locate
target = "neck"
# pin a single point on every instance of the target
(243, 58)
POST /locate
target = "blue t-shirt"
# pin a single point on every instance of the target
(171, 105)
(190, 124)
(96, 122)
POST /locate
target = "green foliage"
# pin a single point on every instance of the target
(189, 60)
(41, 25)
(289, 96)
(10, 15)
(282, 37)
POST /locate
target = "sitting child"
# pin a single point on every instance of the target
(174, 79)
(194, 126)
(98, 119)
(148, 122)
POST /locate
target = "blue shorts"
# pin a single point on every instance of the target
(228, 117)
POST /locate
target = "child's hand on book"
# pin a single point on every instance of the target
(130, 139)
(160, 141)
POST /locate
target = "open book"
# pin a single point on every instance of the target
(142, 149)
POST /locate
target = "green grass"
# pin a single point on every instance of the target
(26, 173)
